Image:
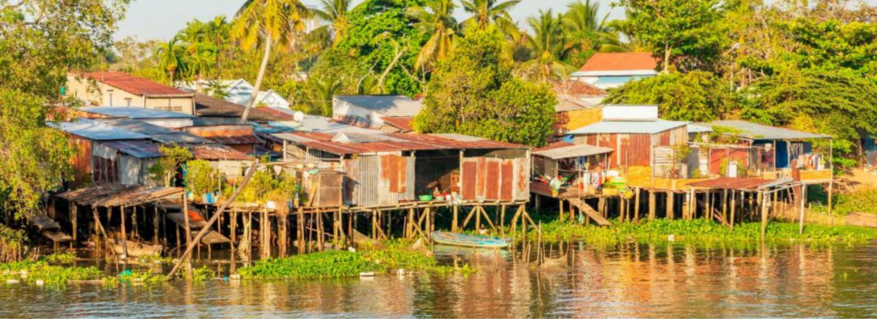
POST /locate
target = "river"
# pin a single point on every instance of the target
(634, 280)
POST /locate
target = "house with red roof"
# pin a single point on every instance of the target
(609, 70)
(122, 89)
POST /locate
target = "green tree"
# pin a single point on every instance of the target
(686, 33)
(334, 12)
(840, 103)
(548, 47)
(833, 45)
(588, 32)
(171, 60)
(473, 92)
(437, 21)
(695, 96)
(267, 21)
(485, 12)
(40, 42)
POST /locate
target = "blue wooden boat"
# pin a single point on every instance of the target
(466, 240)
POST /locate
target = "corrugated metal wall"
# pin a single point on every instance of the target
(495, 179)
(373, 176)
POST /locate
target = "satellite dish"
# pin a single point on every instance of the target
(298, 116)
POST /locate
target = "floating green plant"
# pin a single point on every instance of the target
(705, 232)
(42, 272)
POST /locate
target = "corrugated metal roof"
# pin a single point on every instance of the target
(134, 85)
(117, 195)
(561, 150)
(313, 123)
(763, 132)
(157, 133)
(217, 152)
(206, 105)
(97, 131)
(395, 142)
(401, 122)
(390, 105)
(628, 127)
(696, 128)
(138, 149)
(134, 112)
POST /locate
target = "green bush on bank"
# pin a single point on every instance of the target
(700, 231)
(861, 201)
(30, 272)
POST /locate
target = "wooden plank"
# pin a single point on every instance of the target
(585, 208)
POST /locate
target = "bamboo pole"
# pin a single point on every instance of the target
(210, 222)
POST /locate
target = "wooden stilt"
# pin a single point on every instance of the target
(601, 206)
(155, 224)
(454, 223)
(733, 208)
(502, 220)
(477, 212)
(233, 233)
(282, 222)
(652, 205)
(764, 208)
(74, 216)
(300, 219)
(560, 208)
(125, 234)
(670, 212)
(725, 204)
(636, 205)
(801, 214)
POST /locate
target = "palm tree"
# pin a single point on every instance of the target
(334, 12)
(267, 21)
(487, 11)
(170, 59)
(581, 21)
(437, 20)
(548, 46)
(201, 60)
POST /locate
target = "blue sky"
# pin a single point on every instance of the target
(161, 19)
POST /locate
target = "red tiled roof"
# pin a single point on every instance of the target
(401, 122)
(620, 61)
(133, 85)
(394, 142)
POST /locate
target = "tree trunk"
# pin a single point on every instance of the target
(262, 68)
(666, 57)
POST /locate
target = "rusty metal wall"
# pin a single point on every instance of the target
(496, 179)
(639, 150)
(372, 184)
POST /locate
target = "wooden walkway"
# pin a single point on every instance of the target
(49, 228)
(593, 214)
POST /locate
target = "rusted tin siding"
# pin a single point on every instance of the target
(719, 155)
(639, 150)
(495, 179)
(379, 181)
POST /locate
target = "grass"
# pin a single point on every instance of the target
(704, 232)
(336, 264)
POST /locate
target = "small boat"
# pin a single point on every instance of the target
(136, 249)
(466, 240)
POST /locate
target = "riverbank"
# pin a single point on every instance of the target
(703, 232)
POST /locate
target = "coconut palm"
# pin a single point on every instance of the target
(486, 11)
(268, 21)
(201, 60)
(548, 45)
(437, 20)
(170, 59)
(582, 21)
(334, 12)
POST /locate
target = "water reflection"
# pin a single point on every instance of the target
(631, 280)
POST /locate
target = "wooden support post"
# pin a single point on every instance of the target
(764, 207)
(652, 205)
(686, 205)
(455, 224)
(336, 227)
(636, 205)
(155, 223)
(725, 204)
(233, 233)
(621, 208)
(830, 189)
(74, 216)
(125, 234)
(801, 214)
(502, 220)
(282, 222)
(300, 219)
(733, 209)
(601, 206)
(477, 218)
(670, 212)
(560, 205)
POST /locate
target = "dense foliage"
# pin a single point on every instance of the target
(39, 42)
(696, 96)
(473, 92)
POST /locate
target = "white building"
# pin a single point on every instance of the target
(609, 70)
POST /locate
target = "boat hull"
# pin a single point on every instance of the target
(464, 240)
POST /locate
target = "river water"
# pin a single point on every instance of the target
(633, 280)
